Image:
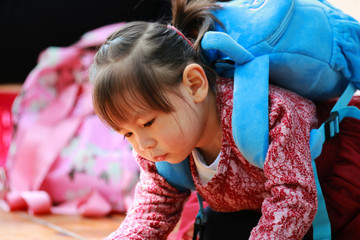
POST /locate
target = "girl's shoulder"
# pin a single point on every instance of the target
(285, 104)
(224, 87)
(285, 97)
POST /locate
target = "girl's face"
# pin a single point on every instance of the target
(194, 123)
(159, 136)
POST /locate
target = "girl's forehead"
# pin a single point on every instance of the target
(135, 116)
(130, 106)
(141, 113)
(135, 111)
(131, 103)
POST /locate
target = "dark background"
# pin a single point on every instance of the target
(29, 26)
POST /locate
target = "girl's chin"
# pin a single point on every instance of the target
(167, 158)
(175, 161)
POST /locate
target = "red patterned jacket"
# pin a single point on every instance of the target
(284, 191)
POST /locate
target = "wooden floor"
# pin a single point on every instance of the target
(21, 226)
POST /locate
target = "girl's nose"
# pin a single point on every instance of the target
(146, 143)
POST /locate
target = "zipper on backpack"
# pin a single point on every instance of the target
(277, 35)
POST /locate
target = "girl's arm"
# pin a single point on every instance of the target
(156, 208)
(290, 210)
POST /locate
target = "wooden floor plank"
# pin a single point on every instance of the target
(14, 226)
(88, 228)
(20, 225)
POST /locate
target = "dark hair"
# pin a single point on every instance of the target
(141, 61)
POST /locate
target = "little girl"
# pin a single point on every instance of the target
(151, 86)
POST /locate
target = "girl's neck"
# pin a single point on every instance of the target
(211, 139)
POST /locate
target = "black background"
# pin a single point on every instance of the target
(29, 26)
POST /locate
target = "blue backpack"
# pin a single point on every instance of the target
(306, 46)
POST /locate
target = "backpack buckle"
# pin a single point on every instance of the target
(332, 125)
(223, 64)
(199, 227)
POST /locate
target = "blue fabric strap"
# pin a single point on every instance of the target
(200, 220)
(250, 118)
(345, 97)
(321, 223)
(223, 42)
(178, 175)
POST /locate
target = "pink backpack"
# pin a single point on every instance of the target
(62, 158)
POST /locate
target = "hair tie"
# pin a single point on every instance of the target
(181, 34)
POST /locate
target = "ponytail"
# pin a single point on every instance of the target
(193, 18)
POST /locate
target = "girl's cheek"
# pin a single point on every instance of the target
(136, 149)
(134, 145)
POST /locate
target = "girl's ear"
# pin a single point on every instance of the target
(196, 82)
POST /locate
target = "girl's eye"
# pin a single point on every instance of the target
(149, 123)
(127, 135)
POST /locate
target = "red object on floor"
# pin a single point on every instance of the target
(6, 101)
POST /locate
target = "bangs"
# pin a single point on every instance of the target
(123, 89)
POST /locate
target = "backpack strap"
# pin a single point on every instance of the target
(250, 118)
(200, 220)
(178, 175)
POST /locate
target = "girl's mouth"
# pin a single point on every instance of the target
(160, 158)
